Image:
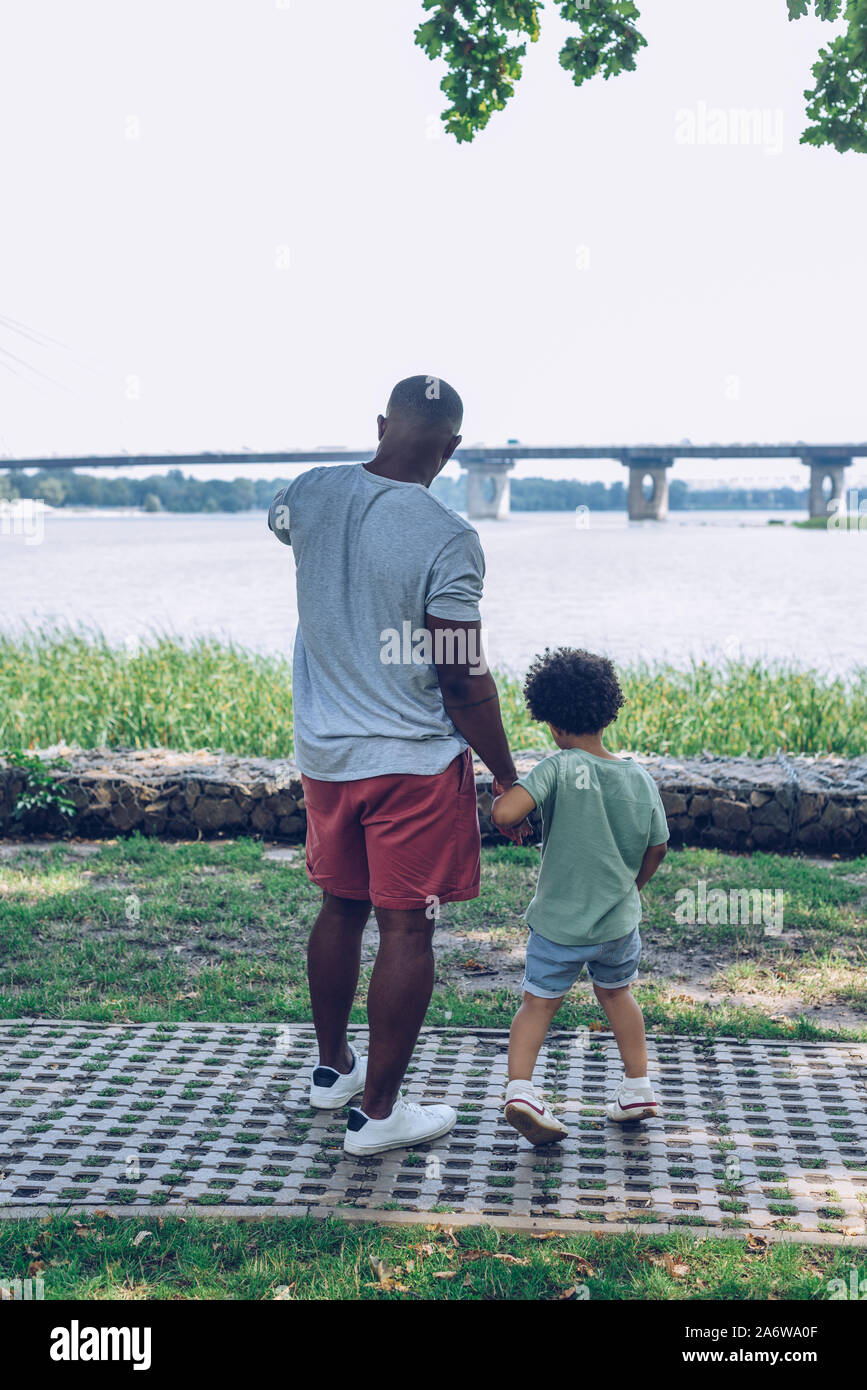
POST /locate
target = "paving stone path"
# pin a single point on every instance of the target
(763, 1136)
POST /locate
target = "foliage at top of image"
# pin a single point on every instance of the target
(484, 41)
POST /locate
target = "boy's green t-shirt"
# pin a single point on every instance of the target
(598, 817)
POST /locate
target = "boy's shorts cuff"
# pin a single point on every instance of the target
(528, 988)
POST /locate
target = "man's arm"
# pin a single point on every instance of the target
(653, 857)
(470, 693)
(471, 700)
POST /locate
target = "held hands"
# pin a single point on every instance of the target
(518, 834)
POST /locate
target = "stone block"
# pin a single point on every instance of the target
(733, 816)
(213, 813)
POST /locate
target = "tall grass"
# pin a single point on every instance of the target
(72, 685)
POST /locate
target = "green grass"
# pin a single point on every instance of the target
(72, 685)
(95, 1258)
(148, 931)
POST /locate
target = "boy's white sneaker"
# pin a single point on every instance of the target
(330, 1089)
(527, 1112)
(632, 1103)
(407, 1125)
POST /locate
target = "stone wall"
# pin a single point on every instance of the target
(783, 804)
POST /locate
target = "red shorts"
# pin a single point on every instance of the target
(400, 840)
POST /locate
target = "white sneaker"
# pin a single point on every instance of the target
(330, 1089)
(632, 1103)
(527, 1112)
(408, 1124)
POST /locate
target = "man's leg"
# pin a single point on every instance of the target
(333, 963)
(400, 989)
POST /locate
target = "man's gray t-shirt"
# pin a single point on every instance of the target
(598, 817)
(372, 556)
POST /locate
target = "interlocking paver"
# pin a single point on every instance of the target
(761, 1135)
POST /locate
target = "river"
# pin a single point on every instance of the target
(711, 584)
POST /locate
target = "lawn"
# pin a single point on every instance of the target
(101, 1257)
(142, 930)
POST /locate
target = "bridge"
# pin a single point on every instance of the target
(488, 469)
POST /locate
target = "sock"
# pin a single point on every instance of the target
(635, 1083)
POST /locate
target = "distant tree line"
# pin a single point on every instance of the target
(565, 494)
(173, 492)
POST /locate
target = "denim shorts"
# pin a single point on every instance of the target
(552, 968)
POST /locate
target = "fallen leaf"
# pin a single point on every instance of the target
(385, 1276)
(493, 1255)
(755, 1242)
(35, 1267)
(568, 1294)
(670, 1265)
(446, 1274)
(142, 1235)
(585, 1267)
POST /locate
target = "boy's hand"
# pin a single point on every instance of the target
(509, 803)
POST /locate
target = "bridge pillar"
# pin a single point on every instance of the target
(655, 506)
(488, 489)
(833, 470)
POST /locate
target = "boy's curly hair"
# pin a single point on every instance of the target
(574, 690)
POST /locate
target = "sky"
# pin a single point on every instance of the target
(235, 223)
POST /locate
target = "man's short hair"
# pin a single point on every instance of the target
(574, 690)
(431, 400)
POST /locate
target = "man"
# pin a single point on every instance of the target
(390, 687)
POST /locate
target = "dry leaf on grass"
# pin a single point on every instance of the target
(386, 1276)
(446, 1274)
(142, 1235)
(493, 1255)
(35, 1267)
(583, 1266)
(670, 1265)
(447, 1231)
(756, 1243)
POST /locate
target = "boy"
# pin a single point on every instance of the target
(604, 836)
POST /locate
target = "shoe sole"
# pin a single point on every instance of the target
(648, 1113)
(337, 1105)
(532, 1128)
(399, 1143)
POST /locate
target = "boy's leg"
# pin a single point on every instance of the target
(527, 1034)
(627, 1024)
